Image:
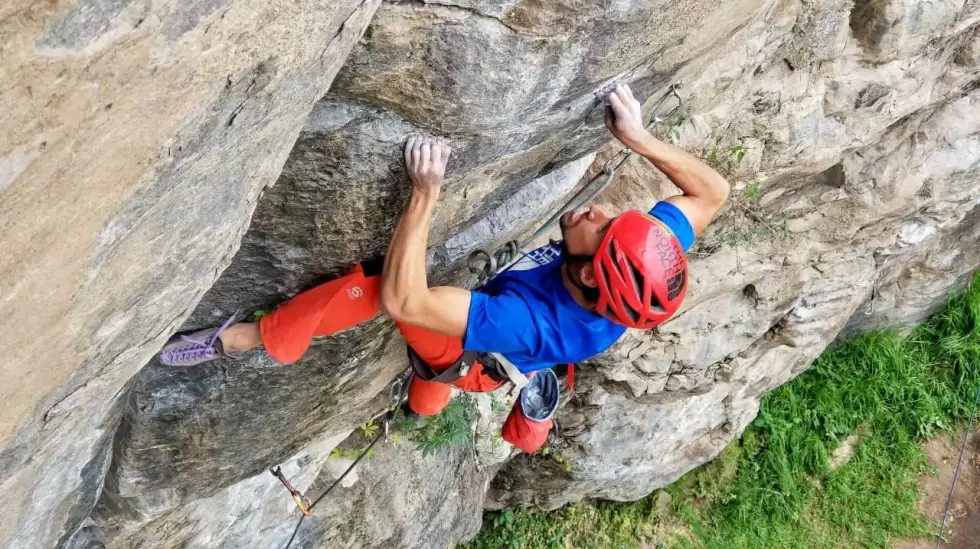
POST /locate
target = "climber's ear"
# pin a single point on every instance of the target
(586, 273)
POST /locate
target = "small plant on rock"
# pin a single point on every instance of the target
(554, 455)
(744, 222)
(449, 428)
(365, 432)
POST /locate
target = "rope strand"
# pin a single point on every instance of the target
(396, 396)
(959, 463)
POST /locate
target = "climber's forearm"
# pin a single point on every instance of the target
(688, 172)
(404, 271)
(405, 294)
(705, 190)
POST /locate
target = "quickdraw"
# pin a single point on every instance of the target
(397, 394)
(302, 502)
(483, 266)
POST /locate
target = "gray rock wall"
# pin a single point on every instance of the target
(136, 137)
(855, 207)
(877, 206)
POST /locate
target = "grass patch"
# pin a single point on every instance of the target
(572, 526)
(773, 487)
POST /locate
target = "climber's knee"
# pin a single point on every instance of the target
(281, 344)
(427, 398)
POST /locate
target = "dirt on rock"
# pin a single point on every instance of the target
(963, 524)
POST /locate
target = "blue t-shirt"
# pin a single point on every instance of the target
(527, 314)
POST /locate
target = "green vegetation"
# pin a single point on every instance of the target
(448, 428)
(743, 223)
(355, 445)
(566, 465)
(259, 313)
(774, 487)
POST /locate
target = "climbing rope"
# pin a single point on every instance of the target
(396, 396)
(483, 265)
(959, 462)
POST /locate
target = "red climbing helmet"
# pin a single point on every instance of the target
(641, 271)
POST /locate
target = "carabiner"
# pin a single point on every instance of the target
(396, 395)
(300, 500)
(655, 117)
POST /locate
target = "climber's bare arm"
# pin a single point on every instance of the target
(705, 190)
(405, 293)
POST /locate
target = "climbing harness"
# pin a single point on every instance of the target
(397, 395)
(483, 265)
(959, 463)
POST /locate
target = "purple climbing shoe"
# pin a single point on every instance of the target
(197, 347)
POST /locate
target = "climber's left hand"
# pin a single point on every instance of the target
(425, 160)
(624, 116)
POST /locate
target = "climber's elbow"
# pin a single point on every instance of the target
(720, 189)
(391, 304)
(400, 308)
(443, 309)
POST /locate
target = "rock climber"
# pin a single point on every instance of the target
(561, 303)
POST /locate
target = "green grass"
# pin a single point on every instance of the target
(773, 487)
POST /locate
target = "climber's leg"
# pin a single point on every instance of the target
(327, 309)
(286, 332)
(243, 336)
(440, 351)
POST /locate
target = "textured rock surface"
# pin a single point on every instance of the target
(856, 206)
(881, 201)
(135, 139)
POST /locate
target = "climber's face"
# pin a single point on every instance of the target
(583, 230)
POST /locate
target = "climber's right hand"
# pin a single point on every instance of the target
(624, 116)
(425, 160)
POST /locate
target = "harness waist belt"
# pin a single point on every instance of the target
(495, 365)
(453, 372)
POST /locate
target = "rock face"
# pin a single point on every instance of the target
(850, 132)
(136, 137)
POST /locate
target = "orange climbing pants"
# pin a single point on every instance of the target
(348, 301)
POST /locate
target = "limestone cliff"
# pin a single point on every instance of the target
(139, 137)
